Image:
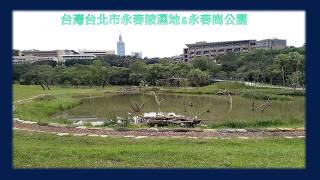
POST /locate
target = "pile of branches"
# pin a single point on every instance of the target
(262, 107)
(225, 92)
(159, 121)
(137, 107)
(130, 89)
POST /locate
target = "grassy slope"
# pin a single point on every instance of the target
(46, 150)
(23, 91)
(245, 91)
(27, 91)
(41, 110)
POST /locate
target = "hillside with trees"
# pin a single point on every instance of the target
(278, 67)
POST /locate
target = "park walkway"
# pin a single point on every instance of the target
(63, 130)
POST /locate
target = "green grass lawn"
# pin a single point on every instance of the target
(39, 150)
(27, 91)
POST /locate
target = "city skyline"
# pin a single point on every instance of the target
(153, 41)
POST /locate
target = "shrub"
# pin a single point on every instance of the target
(125, 121)
(42, 123)
(293, 93)
(111, 122)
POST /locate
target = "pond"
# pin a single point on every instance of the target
(207, 107)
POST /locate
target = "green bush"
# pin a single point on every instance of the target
(125, 121)
(42, 123)
(230, 85)
(293, 93)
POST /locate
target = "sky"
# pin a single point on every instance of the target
(43, 30)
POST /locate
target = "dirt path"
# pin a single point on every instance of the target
(27, 100)
(153, 132)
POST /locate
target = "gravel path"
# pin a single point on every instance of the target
(153, 132)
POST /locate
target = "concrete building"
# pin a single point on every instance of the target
(47, 53)
(137, 54)
(121, 47)
(31, 59)
(272, 44)
(78, 57)
(24, 59)
(177, 58)
(213, 49)
(97, 53)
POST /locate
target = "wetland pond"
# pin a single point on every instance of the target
(212, 108)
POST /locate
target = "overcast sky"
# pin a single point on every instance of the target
(43, 30)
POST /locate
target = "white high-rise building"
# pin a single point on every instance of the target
(137, 54)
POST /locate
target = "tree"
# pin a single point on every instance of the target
(164, 61)
(198, 77)
(281, 66)
(97, 73)
(214, 69)
(272, 72)
(229, 62)
(119, 75)
(137, 67)
(19, 70)
(46, 62)
(15, 52)
(297, 62)
(221, 75)
(41, 75)
(202, 63)
(136, 78)
(282, 61)
(295, 79)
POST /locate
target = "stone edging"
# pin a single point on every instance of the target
(226, 130)
(143, 137)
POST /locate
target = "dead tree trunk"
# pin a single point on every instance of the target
(264, 106)
(252, 106)
(41, 84)
(47, 85)
(230, 102)
(157, 100)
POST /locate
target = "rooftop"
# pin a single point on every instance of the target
(221, 42)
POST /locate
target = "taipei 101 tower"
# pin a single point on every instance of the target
(120, 47)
